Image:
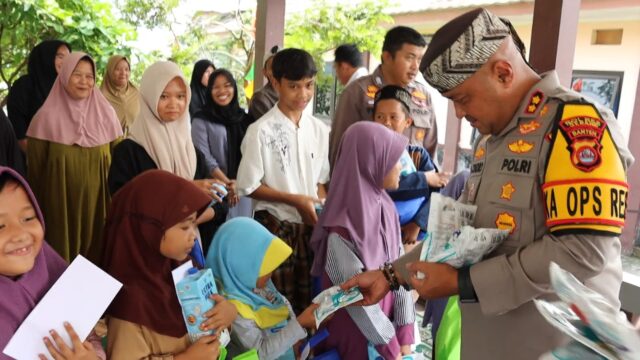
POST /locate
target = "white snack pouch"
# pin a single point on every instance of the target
(446, 216)
(450, 237)
(333, 299)
(608, 323)
(472, 244)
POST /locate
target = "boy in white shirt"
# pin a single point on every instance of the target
(284, 168)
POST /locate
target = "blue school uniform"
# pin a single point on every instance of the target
(412, 196)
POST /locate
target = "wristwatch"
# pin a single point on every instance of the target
(466, 291)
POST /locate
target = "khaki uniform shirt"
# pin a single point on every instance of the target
(547, 210)
(262, 101)
(356, 103)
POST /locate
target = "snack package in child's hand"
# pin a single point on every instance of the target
(333, 299)
(194, 294)
(220, 190)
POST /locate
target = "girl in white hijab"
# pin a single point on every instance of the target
(160, 137)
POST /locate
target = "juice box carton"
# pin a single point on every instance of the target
(194, 292)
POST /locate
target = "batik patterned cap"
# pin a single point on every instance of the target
(461, 47)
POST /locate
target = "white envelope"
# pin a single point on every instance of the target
(80, 296)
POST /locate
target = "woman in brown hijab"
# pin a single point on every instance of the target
(120, 92)
(150, 230)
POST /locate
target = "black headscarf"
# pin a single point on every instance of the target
(232, 116)
(29, 92)
(198, 91)
(10, 154)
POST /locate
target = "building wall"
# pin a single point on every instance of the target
(624, 57)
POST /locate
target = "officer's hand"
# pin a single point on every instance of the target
(440, 280)
(373, 286)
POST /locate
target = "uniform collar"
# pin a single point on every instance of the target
(360, 72)
(378, 80)
(534, 101)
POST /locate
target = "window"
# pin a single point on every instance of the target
(606, 37)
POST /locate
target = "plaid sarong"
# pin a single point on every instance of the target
(293, 277)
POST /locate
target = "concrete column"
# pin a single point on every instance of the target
(553, 37)
(269, 32)
(633, 178)
(452, 139)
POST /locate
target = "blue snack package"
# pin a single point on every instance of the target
(194, 293)
(220, 190)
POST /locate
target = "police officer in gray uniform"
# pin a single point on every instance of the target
(552, 171)
(402, 50)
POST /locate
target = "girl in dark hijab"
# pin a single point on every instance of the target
(150, 230)
(217, 131)
(199, 80)
(28, 93)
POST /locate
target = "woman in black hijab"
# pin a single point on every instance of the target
(28, 93)
(199, 80)
(10, 154)
(217, 131)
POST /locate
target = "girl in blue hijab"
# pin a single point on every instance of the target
(242, 256)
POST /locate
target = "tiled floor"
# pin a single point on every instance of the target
(425, 345)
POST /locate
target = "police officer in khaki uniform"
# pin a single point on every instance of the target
(552, 172)
(402, 50)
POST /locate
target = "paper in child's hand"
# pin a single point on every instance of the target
(333, 299)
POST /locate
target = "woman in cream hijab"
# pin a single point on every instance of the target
(120, 92)
(160, 137)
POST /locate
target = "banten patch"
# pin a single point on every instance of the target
(583, 133)
(585, 188)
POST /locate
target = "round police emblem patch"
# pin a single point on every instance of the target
(587, 156)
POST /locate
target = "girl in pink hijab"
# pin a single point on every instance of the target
(69, 157)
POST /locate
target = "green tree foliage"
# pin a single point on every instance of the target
(150, 13)
(88, 25)
(227, 39)
(325, 26)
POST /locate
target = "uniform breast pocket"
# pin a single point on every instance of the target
(510, 208)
